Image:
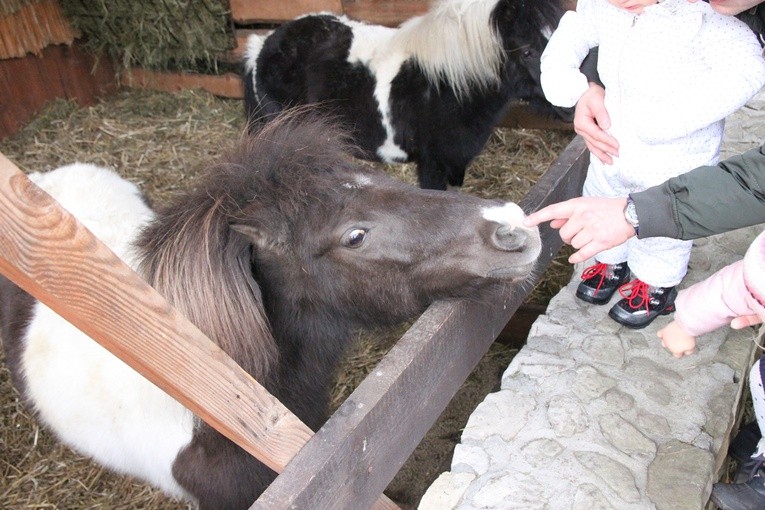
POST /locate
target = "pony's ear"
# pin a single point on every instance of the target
(260, 238)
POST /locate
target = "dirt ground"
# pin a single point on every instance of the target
(158, 141)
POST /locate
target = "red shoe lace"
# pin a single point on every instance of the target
(636, 293)
(598, 269)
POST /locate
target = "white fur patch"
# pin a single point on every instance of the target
(251, 52)
(507, 214)
(94, 402)
(360, 181)
(371, 46)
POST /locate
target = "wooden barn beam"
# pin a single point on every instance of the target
(254, 11)
(226, 85)
(366, 441)
(381, 12)
(390, 13)
(52, 256)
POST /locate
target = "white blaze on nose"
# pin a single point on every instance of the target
(507, 214)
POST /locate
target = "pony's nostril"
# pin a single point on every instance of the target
(510, 238)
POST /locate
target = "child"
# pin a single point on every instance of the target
(735, 295)
(672, 71)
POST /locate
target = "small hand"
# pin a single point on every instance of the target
(591, 120)
(677, 341)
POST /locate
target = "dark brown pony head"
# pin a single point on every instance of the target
(288, 244)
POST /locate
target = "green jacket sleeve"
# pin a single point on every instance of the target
(707, 200)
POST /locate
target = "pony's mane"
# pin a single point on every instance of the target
(455, 42)
(192, 256)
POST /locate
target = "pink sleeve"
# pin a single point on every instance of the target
(714, 302)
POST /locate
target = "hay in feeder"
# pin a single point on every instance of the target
(161, 141)
(177, 35)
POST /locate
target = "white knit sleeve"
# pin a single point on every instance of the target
(562, 82)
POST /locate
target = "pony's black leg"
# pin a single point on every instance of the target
(456, 175)
(431, 174)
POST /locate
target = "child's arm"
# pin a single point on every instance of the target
(562, 81)
(706, 306)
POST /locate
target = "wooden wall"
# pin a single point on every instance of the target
(382, 12)
(28, 83)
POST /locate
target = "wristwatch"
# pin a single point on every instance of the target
(630, 214)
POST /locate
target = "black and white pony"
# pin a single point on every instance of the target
(279, 253)
(428, 92)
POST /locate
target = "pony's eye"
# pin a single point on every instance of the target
(526, 53)
(354, 237)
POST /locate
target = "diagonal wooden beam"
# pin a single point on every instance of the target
(52, 256)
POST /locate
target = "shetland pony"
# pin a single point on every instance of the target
(428, 92)
(279, 253)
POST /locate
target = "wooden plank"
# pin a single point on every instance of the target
(82, 79)
(52, 256)
(253, 11)
(48, 253)
(226, 85)
(385, 12)
(366, 441)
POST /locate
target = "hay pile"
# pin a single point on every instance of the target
(176, 35)
(161, 141)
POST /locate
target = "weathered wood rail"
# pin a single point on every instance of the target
(350, 461)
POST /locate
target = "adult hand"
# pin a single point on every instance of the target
(745, 321)
(589, 224)
(591, 121)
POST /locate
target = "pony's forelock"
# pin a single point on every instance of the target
(203, 269)
(203, 266)
(302, 135)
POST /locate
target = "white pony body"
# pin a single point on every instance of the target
(98, 405)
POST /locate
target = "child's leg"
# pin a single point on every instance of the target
(658, 264)
(610, 270)
(659, 261)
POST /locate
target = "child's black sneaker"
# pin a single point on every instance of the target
(600, 281)
(642, 303)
